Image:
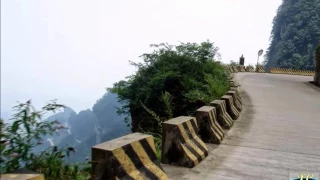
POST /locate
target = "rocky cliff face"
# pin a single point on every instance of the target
(87, 128)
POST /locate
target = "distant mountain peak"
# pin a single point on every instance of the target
(68, 110)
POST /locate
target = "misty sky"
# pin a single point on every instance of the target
(71, 50)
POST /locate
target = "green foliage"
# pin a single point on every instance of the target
(51, 164)
(318, 53)
(158, 145)
(166, 99)
(295, 35)
(185, 75)
(25, 133)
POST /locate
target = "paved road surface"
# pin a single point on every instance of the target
(277, 133)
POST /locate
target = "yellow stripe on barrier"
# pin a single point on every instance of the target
(231, 109)
(184, 133)
(237, 104)
(224, 119)
(146, 160)
(261, 69)
(127, 164)
(249, 69)
(19, 176)
(217, 127)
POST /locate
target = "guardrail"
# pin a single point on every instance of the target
(260, 69)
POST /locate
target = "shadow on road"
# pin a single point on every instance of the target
(312, 85)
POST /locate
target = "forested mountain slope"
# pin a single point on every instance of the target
(295, 35)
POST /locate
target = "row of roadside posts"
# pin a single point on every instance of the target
(183, 143)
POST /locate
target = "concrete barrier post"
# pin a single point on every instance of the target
(275, 70)
(181, 144)
(223, 117)
(301, 73)
(260, 69)
(250, 69)
(271, 70)
(227, 69)
(129, 157)
(238, 68)
(243, 69)
(22, 174)
(230, 69)
(232, 83)
(235, 69)
(238, 94)
(209, 129)
(231, 109)
(236, 101)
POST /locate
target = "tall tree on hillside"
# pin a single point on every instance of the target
(295, 35)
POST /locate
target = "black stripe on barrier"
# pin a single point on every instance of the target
(137, 162)
(150, 152)
(221, 115)
(117, 171)
(225, 114)
(232, 106)
(193, 151)
(235, 100)
(203, 149)
(215, 125)
(212, 124)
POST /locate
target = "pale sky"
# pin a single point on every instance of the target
(71, 50)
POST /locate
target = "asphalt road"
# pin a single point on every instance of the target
(276, 136)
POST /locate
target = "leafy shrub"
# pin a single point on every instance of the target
(24, 133)
(187, 72)
(51, 164)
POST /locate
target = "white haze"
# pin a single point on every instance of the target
(71, 50)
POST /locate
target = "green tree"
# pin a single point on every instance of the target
(295, 35)
(186, 75)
